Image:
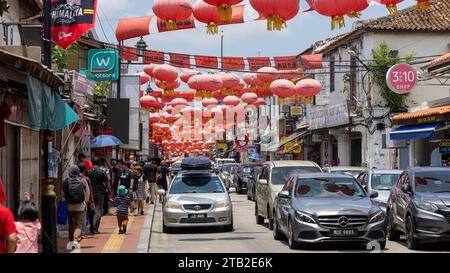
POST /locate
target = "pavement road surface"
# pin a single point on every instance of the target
(248, 237)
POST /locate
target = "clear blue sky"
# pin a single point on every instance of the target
(244, 40)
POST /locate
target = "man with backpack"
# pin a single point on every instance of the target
(76, 192)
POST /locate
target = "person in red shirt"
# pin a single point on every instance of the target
(8, 236)
(87, 163)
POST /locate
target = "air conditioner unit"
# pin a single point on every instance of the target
(316, 138)
(285, 109)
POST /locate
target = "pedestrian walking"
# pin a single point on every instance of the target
(83, 159)
(122, 202)
(126, 177)
(104, 166)
(163, 172)
(76, 192)
(116, 171)
(8, 234)
(140, 187)
(28, 227)
(100, 184)
(150, 171)
(88, 217)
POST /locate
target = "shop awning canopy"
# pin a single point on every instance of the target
(293, 137)
(415, 131)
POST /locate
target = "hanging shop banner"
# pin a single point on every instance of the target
(129, 54)
(180, 60)
(286, 62)
(133, 27)
(233, 63)
(103, 65)
(153, 57)
(206, 62)
(71, 19)
(313, 61)
(185, 24)
(255, 63)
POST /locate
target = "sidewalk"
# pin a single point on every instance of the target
(137, 239)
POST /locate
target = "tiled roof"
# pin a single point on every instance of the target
(438, 61)
(409, 19)
(422, 113)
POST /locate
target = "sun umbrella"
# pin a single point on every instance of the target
(105, 141)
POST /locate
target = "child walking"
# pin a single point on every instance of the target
(122, 202)
(28, 228)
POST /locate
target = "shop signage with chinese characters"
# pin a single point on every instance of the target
(444, 146)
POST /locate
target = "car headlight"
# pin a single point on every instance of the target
(426, 206)
(222, 204)
(378, 217)
(172, 205)
(302, 217)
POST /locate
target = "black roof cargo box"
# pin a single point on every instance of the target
(196, 163)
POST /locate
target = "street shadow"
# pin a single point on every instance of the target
(217, 239)
(331, 246)
(197, 230)
(430, 247)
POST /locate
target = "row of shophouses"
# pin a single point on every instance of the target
(349, 123)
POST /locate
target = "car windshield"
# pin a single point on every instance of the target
(352, 172)
(328, 187)
(383, 181)
(281, 174)
(196, 184)
(436, 181)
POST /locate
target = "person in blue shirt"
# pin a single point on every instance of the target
(122, 202)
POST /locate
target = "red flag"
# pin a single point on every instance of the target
(2, 192)
(233, 63)
(129, 54)
(180, 60)
(313, 61)
(286, 62)
(185, 24)
(133, 27)
(206, 62)
(255, 63)
(154, 57)
(71, 19)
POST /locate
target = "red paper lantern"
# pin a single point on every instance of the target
(308, 87)
(336, 9)
(209, 102)
(205, 84)
(143, 78)
(282, 88)
(178, 103)
(187, 73)
(148, 69)
(165, 73)
(423, 5)
(231, 100)
(148, 102)
(391, 5)
(169, 109)
(209, 15)
(276, 12)
(154, 117)
(290, 74)
(218, 95)
(251, 79)
(229, 81)
(360, 5)
(266, 75)
(167, 85)
(172, 11)
(249, 98)
(224, 8)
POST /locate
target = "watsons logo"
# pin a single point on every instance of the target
(67, 13)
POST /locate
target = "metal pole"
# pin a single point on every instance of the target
(49, 240)
(221, 50)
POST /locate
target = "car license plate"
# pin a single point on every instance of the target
(343, 232)
(197, 216)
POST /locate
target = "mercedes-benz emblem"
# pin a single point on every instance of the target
(197, 207)
(343, 221)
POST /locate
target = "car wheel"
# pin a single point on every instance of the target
(270, 218)
(167, 229)
(382, 244)
(277, 234)
(259, 219)
(391, 233)
(411, 242)
(230, 227)
(248, 197)
(291, 242)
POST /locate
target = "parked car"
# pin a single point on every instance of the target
(381, 181)
(251, 182)
(419, 206)
(219, 162)
(175, 168)
(224, 173)
(318, 208)
(271, 180)
(196, 197)
(243, 171)
(354, 171)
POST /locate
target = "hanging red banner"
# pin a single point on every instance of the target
(133, 27)
(285, 62)
(206, 62)
(255, 63)
(180, 60)
(238, 15)
(71, 19)
(233, 63)
(185, 24)
(129, 54)
(154, 57)
(314, 61)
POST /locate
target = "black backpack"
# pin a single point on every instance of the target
(74, 191)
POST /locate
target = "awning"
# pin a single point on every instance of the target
(415, 131)
(293, 137)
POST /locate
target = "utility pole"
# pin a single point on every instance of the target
(48, 192)
(221, 50)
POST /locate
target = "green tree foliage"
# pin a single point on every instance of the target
(60, 56)
(383, 59)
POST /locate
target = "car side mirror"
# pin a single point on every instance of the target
(284, 194)
(373, 194)
(406, 188)
(161, 192)
(232, 190)
(262, 181)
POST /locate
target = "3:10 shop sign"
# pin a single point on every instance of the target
(444, 147)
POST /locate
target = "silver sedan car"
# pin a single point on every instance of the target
(197, 198)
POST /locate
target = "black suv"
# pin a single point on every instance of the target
(251, 182)
(419, 206)
(242, 173)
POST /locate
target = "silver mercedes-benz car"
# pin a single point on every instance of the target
(197, 198)
(319, 208)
